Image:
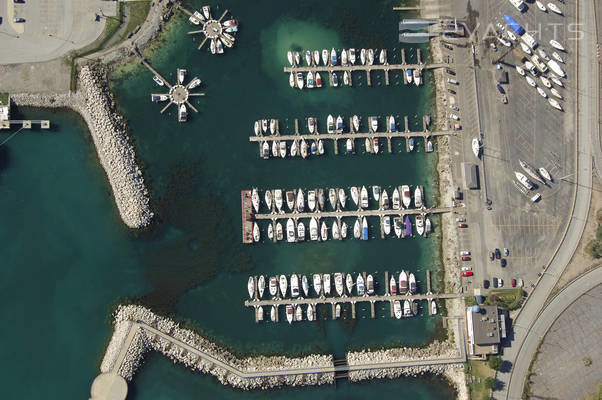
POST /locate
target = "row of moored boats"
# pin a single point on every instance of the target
(225, 37)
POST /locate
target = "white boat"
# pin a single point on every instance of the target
(357, 229)
(554, 104)
(526, 48)
(370, 57)
(396, 199)
(158, 80)
(418, 197)
(313, 229)
(375, 145)
(409, 74)
(398, 226)
(376, 192)
(544, 172)
(368, 145)
(207, 12)
(523, 180)
(406, 196)
(308, 57)
(251, 287)
(369, 284)
(387, 224)
(300, 231)
(420, 224)
(349, 147)
(363, 56)
(336, 235)
(270, 232)
(304, 149)
(333, 57)
(320, 147)
(338, 283)
(332, 198)
(530, 81)
(427, 226)
(542, 53)
(397, 309)
(542, 92)
(182, 113)
(412, 282)
(324, 231)
(325, 57)
(326, 284)
(343, 57)
(346, 78)
(349, 283)
(520, 70)
(255, 199)
(407, 310)
(382, 57)
(392, 286)
(339, 124)
(273, 313)
(554, 8)
(275, 148)
(321, 199)
(364, 228)
(433, 307)
(417, 75)
(546, 82)
(283, 285)
(181, 74)
(294, 149)
(291, 234)
(557, 57)
(311, 124)
(337, 311)
(374, 124)
(556, 45)
(194, 83)
(279, 231)
(294, 285)
(264, 125)
(556, 93)
(541, 6)
(297, 57)
(355, 123)
(352, 56)
(298, 313)
(391, 127)
(300, 81)
(364, 197)
(384, 200)
(257, 128)
(300, 200)
(429, 146)
(316, 57)
(289, 313)
(278, 199)
(272, 126)
(330, 124)
(291, 80)
(403, 282)
(342, 197)
(310, 312)
(219, 46)
(556, 68)
(273, 286)
(476, 147)
(317, 280)
(344, 229)
(530, 171)
(311, 200)
(310, 80)
(268, 198)
(360, 286)
(355, 195)
(289, 56)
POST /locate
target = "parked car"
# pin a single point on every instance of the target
(500, 282)
(498, 254)
(495, 283)
(18, 20)
(493, 46)
(452, 91)
(491, 256)
(503, 262)
(447, 46)
(467, 273)
(462, 226)
(450, 71)
(454, 116)
(465, 258)
(486, 284)
(504, 99)
(513, 282)
(454, 107)
(452, 81)
(461, 219)
(465, 253)
(506, 252)
(521, 283)
(466, 268)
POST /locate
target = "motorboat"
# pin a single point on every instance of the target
(396, 199)
(376, 192)
(308, 57)
(520, 71)
(349, 148)
(338, 283)
(530, 81)
(278, 199)
(311, 200)
(310, 80)
(251, 287)
(557, 57)
(294, 149)
(273, 286)
(554, 104)
(304, 149)
(397, 309)
(314, 147)
(420, 224)
(326, 284)
(333, 57)
(318, 80)
(300, 231)
(313, 229)
(433, 307)
(291, 234)
(370, 57)
(317, 281)
(526, 48)
(418, 197)
(541, 6)
(316, 57)
(403, 282)
(310, 312)
(392, 127)
(324, 231)
(556, 45)
(270, 232)
(409, 74)
(370, 284)
(556, 68)
(300, 81)
(279, 231)
(300, 200)
(408, 225)
(407, 310)
(264, 125)
(337, 311)
(532, 172)
(386, 224)
(523, 180)
(542, 93)
(289, 56)
(476, 147)
(363, 56)
(227, 39)
(352, 56)
(194, 83)
(207, 12)
(427, 226)
(554, 8)
(349, 283)
(398, 226)
(355, 195)
(339, 125)
(375, 145)
(332, 198)
(411, 144)
(199, 16)
(344, 229)
(360, 286)
(182, 113)
(511, 36)
(283, 285)
(357, 230)
(546, 82)
(298, 313)
(364, 228)
(158, 80)
(219, 47)
(255, 199)
(356, 123)
(325, 57)
(321, 199)
(272, 126)
(542, 53)
(297, 57)
(374, 124)
(417, 75)
(159, 97)
(311, 125)
(384, 200)
(392, 286)
(273, 313)
(289, 313)
(364, 201)
(336, 235)
(335, 79)
(343, 57)
(412, 283)
(368, 145)
(305, 285)
(294, 285)
(181, 74)
(406, 196)
(330, 124)
(382, 57)
(342, 197)
(429, 146)
(544, 172)
(346, 78)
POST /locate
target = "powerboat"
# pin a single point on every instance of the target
(408, 225)
(406, 196)
(520, 71)
(523, 180)
(403, 282)
(346, 78)
(392, 127)
(355, 195)
(398, 226)
(397, 309)
(305, 285)
(374, 124)
(554, 8)
(300, 200)
(342, 197)
(297, 58)
(182, 113)
(338, 283)
(364, 197)
(310, 80)
(291, 234)
(255, 199)
(283, 285)
(544, 172)
(360, 286)
(349, 148)
(392, 286)
(194, 83)
(418, 197)
(330, 124)
(352, 56)
(270, 232)
(324, 231)
(308, 57)
(219, 46)
(556, 45)
(382, 57)
(181, 74)
(368, 145)
(556, 68)
(396, 199)
(344, 229)
(311, 124)
(407, 310)
(530, 81)
(289, 313)
(369, 284)
(273, 313)
(375, 145)
(332, 198)
(294, 285)
(304, 149)
(429, 146)
(349, 283)
(300, 81)
(427, 226)
(541, 6)
(542, 53)
(313, 229)
(158, 80)
(300, 231)
(265, 150)
(526, 48)
(357, 229)
(339, 125)
(476, 147)
(278, 199)
(335, 230)
(364, 228)
(311, 200)
(333, 57)
(318, 80)
(335, 79)
(370, 58)
(251, 287)
(310, 312)
(411, 144)
(316, 57)
(279, 231)
(386, 224)
(420, 224)
(337, 311)
(356, 123)
(376, 192)
(409, 74)
(545, 81)
(264, 125)
(343, 57)
(317, 280)
(433, 307)
(363, 56)
(207, 12)
(325, 57)
(273, 286)
(412, 282)
(326, 284)
(294, 149)
(314, 147)
(384, 200)
(298, 313)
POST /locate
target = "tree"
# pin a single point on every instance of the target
(495, 362)
(490, 383)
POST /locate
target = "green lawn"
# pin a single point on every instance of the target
(478, 371)
(507, 299)
(3, 98)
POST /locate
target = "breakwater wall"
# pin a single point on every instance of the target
(94, 102)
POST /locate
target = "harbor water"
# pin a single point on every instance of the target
(69, 259)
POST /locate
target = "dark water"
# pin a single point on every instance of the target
(69, 259)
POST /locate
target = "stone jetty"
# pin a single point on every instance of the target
(108, 129)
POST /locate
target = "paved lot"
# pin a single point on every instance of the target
(51, 29)
(560, 369)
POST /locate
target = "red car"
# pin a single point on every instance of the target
(462, 226)
(465, 258)
(513, 282)
(467, 273)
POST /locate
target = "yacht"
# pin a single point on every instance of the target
(182, 113)
(352, 56)
(273, 286)
(403, 282)
(412, 282)
(418, 197)
(311, 125)
(342, 197)
(313, 229)
(370, 284)
(476, 147)
(289, 313)
(363, 56)
(338, 283)
(364, 197)
(273, 313)
(311, 200)
(384, 200)
(407, 310)
(300, 200)
(392, 286)
(360, 286)
(279, 231)
(325, 57)
(376, 192)
(294, 285)
(364, 228)
(382, 58)
(332, 198)
(255, 199)
(397, 309)
(317, 279)
(355, 195)
(335, 230)
(251, 287)
(374, 124)
(300, 231)
(420, 224)
(396, 199)
(330, 124)
(398, 226)
(406, 196)
(356, 123)
(310, 312)
(333, 57)
(283, 286)
(298, 313)
(278, 199)
(386, 224)
(291, 234)
(349, 283)
(326, 284)
(300, 81)
(324, 231)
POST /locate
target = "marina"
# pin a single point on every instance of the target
(216, 32)
(331, 66)
(348, 134)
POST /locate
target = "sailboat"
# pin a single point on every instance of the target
(352, 56)
(251, 287)
(382, 58)
(282, 149)
(344, 229)
(289, 56)
(530, 171)
(349, 283)
(324, 231)
(333, 57)
(427, 226)
(325, 57)
(275, 148)
(317, 280)
(396, 199)
(294, 285)
(357, 230)
(268, 198)
(360, 286)
(420, 224)
(338, 283)
(346, 80)
(407, 310)
(326, 284)
(337, 311)
(397, 309)
(556, 45)
(343, 57)
(308, 57)
(384, 200)
(364, 228)
(376, 192)
(370, 284)
(256, 234)
(298, 313)
(356, 123)
(398, 226)
(355, 195)
(311, 125)
(270, 232)
(544, 172)
(476, 147)
(321, 199)
(304, 149)
(278, 199)
(370, 56)
(300, 231)
(418, 197)
(283, 285)
(342, 197)
(406, 196)
(335, 230)
(310, 312)
(363, 56)
(273, 313)
(364, 197)
(412, 282)
(392, 127)
(316, 57)
(311, 200)
(387, 224)
(330, 124)
(300, 200)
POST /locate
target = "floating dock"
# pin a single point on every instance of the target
(24, 124)
(247, 216)
(211, 28)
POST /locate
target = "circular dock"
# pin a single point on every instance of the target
(178, 94)
(109, 386)
(212, 29)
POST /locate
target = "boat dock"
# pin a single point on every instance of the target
(406, 133)
(386, 68)
(247, 217)
(25, 124)
(212, 28)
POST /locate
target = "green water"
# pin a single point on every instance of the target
(69, 259)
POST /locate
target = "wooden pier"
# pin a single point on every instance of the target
(354, 213)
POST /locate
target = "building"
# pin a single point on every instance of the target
(485, 327)
(471, 175)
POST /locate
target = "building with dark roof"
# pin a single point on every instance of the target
(485, 327)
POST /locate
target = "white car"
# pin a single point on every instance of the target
(466, 268)
(500, 282)
(465, 253)
(454, 116)
(454, 107)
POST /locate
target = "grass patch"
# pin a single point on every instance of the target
(527, 385)
(137, 12)
(477, 373)
(597, 395)
(507, 299)
(594, 247)
(3, 98)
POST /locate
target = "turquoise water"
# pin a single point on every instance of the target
(69, 259)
